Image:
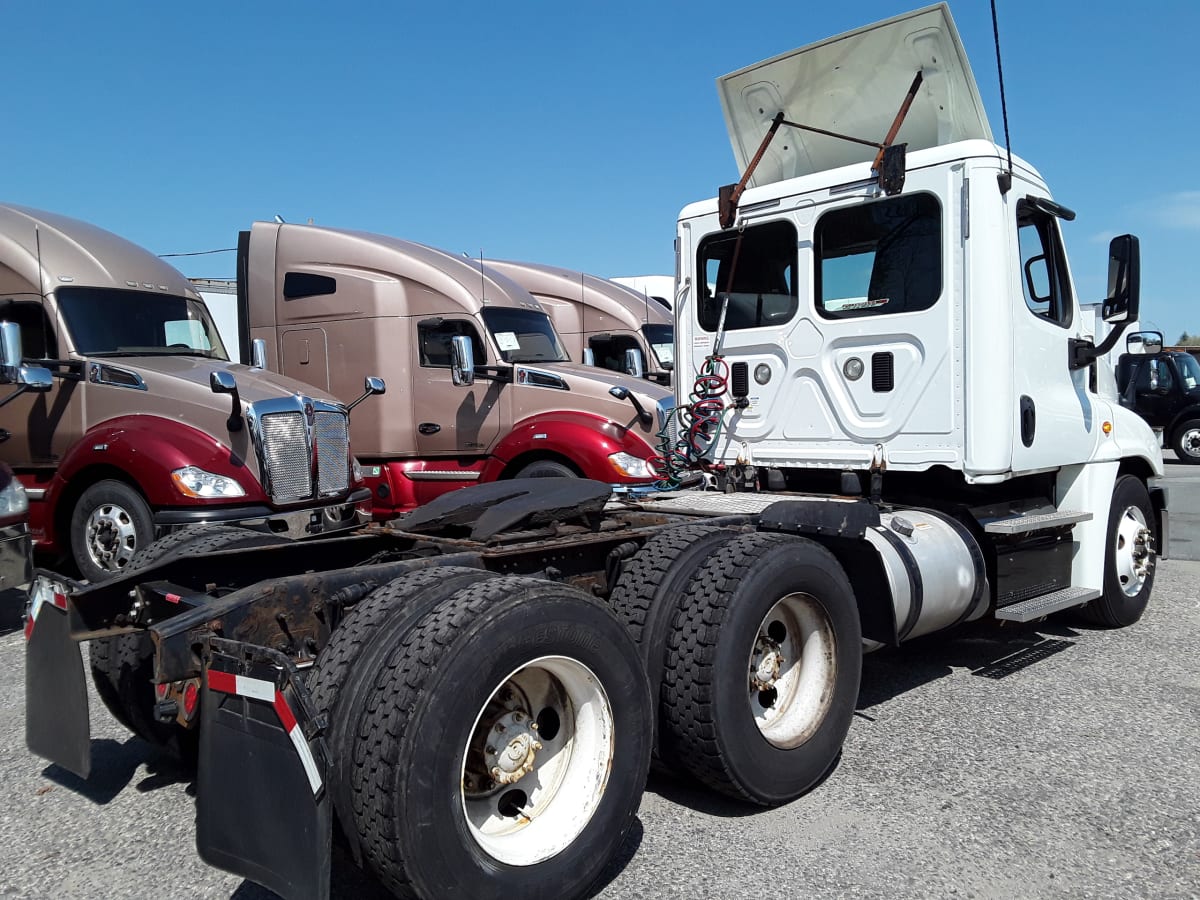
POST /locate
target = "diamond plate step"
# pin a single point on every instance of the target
(1019, 524)
(1028, 610)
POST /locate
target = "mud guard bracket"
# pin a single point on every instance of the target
(57, 726)
(262, 806)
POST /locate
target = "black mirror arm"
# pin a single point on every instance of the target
(1081, 353)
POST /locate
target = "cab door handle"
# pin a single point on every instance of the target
(429, 428)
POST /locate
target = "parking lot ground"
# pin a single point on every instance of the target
(1074, 775)
(1040, 761)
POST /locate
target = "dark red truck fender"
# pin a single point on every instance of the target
(147, 449)
(585, 439)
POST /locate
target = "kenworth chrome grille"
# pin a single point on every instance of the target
(289, 463)
(303, 448)
(333, 440)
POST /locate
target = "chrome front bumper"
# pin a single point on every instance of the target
(16, 557)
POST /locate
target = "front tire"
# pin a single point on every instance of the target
(1186, 442)
(763, 668)
(465, 797)
(547, 468)
(1129, 557)
(111, 522)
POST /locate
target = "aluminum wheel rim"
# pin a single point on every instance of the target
(793, 666)
(1133, 551)
(537, 762)
(1190, 442)
(110, 536)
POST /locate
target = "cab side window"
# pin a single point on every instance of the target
(1043, 265)
(879, 258)
(751, 274)
(37, 334)
(609, 350)
(434, 342)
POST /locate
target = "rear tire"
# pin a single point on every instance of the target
(345, 672)
(1129, 557)
(763, 668)
(123, 666)
(110, 524)
(1186, 442)
(651, 588)
(484, 666)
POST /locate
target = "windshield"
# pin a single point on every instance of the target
(661, 339)
(109, 322)
(1189, 370)
(523, 335)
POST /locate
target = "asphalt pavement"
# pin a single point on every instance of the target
(1036, 761)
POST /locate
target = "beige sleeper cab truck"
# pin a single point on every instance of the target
(602, 323)
(327, 302)
(900, 397)
(130, 438)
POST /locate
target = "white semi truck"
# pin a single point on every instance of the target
(896, 390)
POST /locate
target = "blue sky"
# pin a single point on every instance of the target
(569, 134)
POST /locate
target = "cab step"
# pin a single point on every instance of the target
(1022, 523)
(1037, 607)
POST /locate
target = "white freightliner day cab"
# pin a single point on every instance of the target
(896, 391)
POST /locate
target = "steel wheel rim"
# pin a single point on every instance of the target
(537, 762)
(1190, 442)
(110, 536)
(793, 666)
(1133, 551)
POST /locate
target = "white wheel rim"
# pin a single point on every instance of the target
(110, 536)
(547, 732)
(793, 666)
(1190, 442)
(1134, 551)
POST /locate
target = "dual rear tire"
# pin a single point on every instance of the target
(755, 645)
(494, 733)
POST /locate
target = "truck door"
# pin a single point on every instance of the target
(452, 420)
(40, 428)
(1054, 419)
(1156, 397)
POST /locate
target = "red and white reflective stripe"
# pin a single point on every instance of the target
(38, 597)
(259, 689)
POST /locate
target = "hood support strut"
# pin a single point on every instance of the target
(888, 165)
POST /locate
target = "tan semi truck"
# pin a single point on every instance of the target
(327, 302)
(127, 440)
(601, 322)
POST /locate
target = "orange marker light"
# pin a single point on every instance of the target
(1106, 427)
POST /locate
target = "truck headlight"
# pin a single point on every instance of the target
(13, 500)
(201, 485)
(631, 466)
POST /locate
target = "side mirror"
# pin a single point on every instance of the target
(1144, 343)
(30, 378)
(635, 365)
(589, 356)
(462, 360)
(1124, 280)
(258, 353)
(372, 385)
(222, 382)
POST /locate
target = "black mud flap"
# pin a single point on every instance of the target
(57, 726)
(262, 804)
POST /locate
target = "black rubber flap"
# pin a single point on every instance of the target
(262, 810)
(489, 509)
(831, 517)
(57, 727)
